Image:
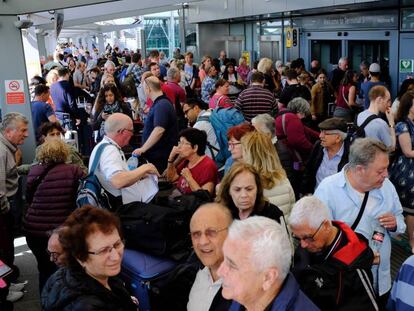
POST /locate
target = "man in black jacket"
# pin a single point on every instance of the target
(332, 263)
(329, 154)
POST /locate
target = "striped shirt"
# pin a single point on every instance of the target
(255, 100)
(402, 298)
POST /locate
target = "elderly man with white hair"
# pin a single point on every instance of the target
(336, 75)
(255, 270)
(332, 263)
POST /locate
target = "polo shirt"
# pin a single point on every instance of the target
(41, 111)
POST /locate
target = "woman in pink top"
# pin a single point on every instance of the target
(220, 98)
(243, 69)
(205, 64)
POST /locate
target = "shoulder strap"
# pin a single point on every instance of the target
(343, 95)
(97, 157)
(367, 120)
(39, 178)
(284, 124)
(217, 101)
(361, 211)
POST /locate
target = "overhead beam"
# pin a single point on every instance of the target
(110, 16)
(19, 7)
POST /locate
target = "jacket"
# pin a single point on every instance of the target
(314, 161)
(296, 136)
(290, 298)
(54, 198)
(282, 196)
(340, 278)
(8, 173)
(74, 290)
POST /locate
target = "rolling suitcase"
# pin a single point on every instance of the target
(145, 275)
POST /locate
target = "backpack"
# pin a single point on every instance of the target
(90, 190)
(127, 81)
(221, 120)
(354, 131)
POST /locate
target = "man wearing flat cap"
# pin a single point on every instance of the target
(329, 154)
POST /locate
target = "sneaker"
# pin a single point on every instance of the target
(14, 296)
(17, 287)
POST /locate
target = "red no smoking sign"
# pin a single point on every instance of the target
(14, 92)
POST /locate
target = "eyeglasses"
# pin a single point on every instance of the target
(53, 255)
(186, 111)
(232, 145)
(210, 233)
(105, 251)
(309, 239)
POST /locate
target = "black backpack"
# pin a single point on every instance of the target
(161, 229)
(354, 131)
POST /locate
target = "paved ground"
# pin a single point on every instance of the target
(27, 264)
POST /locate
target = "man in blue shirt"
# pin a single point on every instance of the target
(374, 73)
(160, 129)
(402, 298)
(343, 193)
(63, 96)
(41, 111)
(380, 102)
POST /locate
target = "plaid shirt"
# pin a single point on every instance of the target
(137, 71)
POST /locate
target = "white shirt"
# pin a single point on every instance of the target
(112, 162)
(203, 291)
(208, 128)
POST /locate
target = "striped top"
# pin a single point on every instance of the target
(402, 298)
(255, 100)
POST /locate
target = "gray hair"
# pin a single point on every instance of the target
(364, 150)
(342, 59)
(266, 123)
(270, 245)
(299, 105)
(109, 63)
(278, 64)
(309, 210)
(172, 73)
(11, 119)
(116, 122)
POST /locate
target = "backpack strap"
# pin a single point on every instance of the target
(361, 211)
(97, 157)
(217, 101)
(367, 120)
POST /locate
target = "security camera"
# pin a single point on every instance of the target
(23, 24)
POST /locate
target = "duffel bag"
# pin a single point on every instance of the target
(155, 229)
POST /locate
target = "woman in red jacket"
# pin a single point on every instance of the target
(296, 136)
(51, 194)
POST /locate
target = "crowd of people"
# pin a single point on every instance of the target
(303, 210)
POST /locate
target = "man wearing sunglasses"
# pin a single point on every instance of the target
(332, 263)
(208, 230)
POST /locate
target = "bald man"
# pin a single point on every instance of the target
(208, 229)
(160, 127)
(112, 170)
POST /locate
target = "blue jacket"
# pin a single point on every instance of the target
(290, 298)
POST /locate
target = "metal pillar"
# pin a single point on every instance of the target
(14, 68)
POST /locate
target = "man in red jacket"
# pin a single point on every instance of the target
(332, 263)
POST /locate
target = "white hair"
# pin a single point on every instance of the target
(270, 245)
(342, 59)
(266, 123)
(11, 119)
(109, 63)
(309, 210)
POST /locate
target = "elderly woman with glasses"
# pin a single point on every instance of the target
(93, 249)
(329, 154)
(188, 166)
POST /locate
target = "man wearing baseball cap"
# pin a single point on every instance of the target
(329, 154)
(374, 73)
